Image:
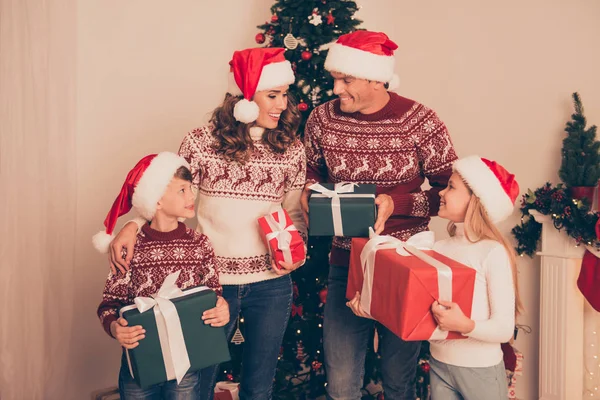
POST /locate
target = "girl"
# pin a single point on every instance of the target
(480, 194)
(247, 163)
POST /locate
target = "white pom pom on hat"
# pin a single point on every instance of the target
(253, 70)
(144, 186)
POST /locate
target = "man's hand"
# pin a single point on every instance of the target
(128, 337)
(218, 315)
(356, 308)
(385, 208)
(125, 239)
(304, 201)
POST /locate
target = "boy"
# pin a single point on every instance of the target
(159, 188)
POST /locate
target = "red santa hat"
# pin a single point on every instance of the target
(253, 70)
(144, 186)
(364, 55)
(496, 188)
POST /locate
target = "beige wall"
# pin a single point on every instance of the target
(500, 76)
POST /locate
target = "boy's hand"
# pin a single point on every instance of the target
(217, 316)
(385, 208)
(125, 239)
(127, 336)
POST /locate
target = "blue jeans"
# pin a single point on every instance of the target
(345, 340)
(129, 389)
(266, 308)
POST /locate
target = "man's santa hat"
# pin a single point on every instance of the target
(364, 55)
(253, 70)
(144, 186)
(496, 188)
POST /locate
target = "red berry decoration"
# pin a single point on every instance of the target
(303, 107)
(323, 295)
(316, 365)
(306, 55)
(274, 18)
(426, 367)
(260, 38)
(380, 396)
(230, 377)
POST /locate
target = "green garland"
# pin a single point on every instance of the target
(575, 216)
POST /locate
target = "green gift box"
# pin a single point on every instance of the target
(153, 360)
(341, 209)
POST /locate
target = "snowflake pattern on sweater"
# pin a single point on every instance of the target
(395, 148)
(155, 256)
(232, 196)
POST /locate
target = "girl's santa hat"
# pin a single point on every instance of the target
(495, 186)
(253, 70)
(144, 186)
(364, 55)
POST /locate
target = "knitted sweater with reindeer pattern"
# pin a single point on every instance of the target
(395, 148)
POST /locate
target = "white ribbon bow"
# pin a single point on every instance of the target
(281, 233)
(342, 189)
(413, 246)
(170, 334)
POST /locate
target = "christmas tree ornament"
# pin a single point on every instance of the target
(260, 38)
(330, 19)
(380, 396)
(290, 42)
(316, 365)
(323, 295)
(237, 338)
(274, 18)
(315, 18)
(306, 55)
(425, 367)
(302, 106)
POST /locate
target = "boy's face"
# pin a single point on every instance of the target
(178, 200)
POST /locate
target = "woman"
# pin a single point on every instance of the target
(246, 163)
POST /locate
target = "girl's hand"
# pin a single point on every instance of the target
(128, 337)
(285, 267)
(125, 239)
(217, 316)
(354, 305)
(451, 318)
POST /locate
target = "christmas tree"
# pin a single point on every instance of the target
(305, 28)
(580, 158)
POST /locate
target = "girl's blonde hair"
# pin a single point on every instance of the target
(479, 226)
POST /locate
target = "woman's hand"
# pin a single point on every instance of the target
(125, 239)
(285, 267)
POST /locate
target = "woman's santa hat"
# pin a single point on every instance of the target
(253, 70)
(495, 186)
(144, 186)
(364, 55)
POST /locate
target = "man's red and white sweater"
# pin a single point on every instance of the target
(395, 148)
(156, 255)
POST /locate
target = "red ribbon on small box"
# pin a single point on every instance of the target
(227, 391)
(399, 282)
(284, 241)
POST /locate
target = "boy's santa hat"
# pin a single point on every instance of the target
(144, 186)
(495, 186)
(253, 70)
(364, 55)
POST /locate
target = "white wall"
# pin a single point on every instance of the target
(499, 75)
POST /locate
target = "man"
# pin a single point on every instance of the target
(369, 135)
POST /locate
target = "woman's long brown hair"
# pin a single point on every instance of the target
(233, 137)
(479, 226)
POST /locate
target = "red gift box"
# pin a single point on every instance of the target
(403, 286)
(284, 241)
(227, 391)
